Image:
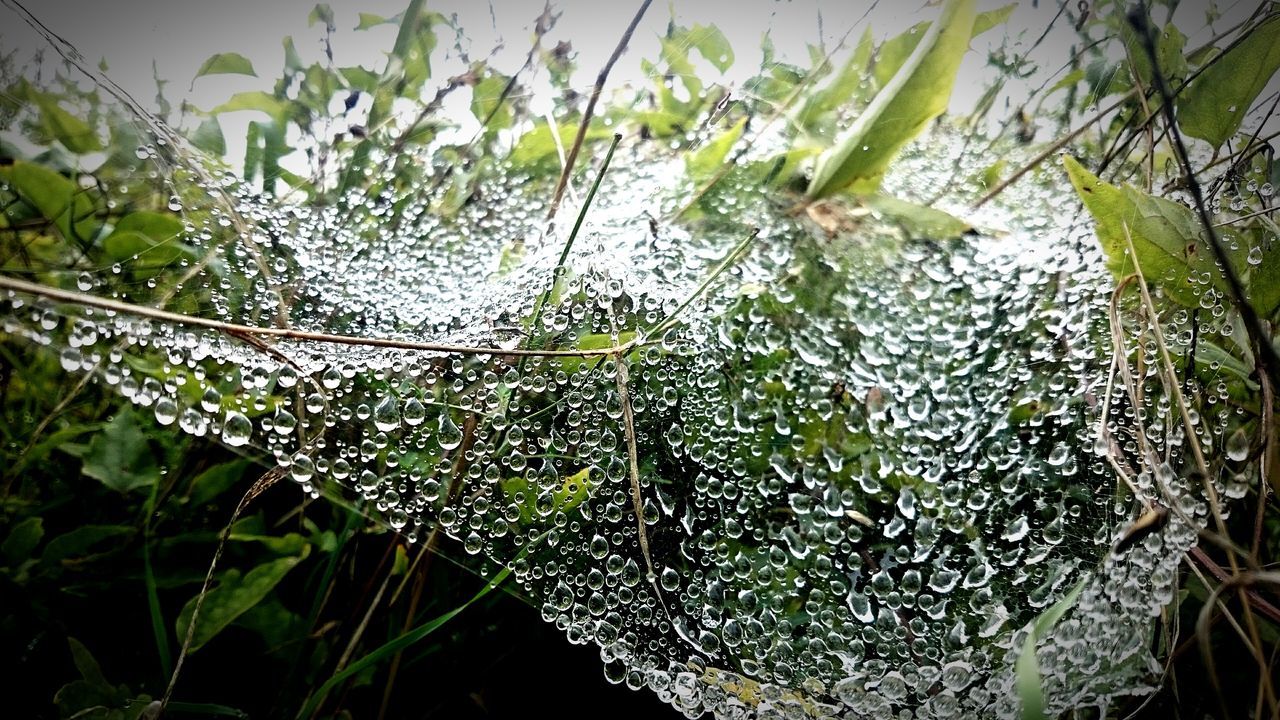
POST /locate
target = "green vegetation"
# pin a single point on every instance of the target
(301, 433)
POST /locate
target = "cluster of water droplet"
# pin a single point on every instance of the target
(865, 462)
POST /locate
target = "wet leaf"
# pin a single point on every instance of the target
(918, 93)
(1214, 105)
(75, 134)
(208, 137)
(234, 595)
(709, 158)
(150, 238)
(1027, 668)
(80, 541)
(22, 540)
(1165, 234)
(919, 220)
(226, 64)
(120, 456)
(56, 198)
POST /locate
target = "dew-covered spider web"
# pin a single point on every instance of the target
(865, 459)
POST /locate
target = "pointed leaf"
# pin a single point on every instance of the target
(120, 457)
(1027, 667)
(55, 197)
(1214, 105)
(708, 159)
(233, 596)
(918, 93)
(226, 64)
(208, 137)
(1165, 235)
(22, 540)
(919, 220)
(75, 134)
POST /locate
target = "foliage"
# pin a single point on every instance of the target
(110, 518)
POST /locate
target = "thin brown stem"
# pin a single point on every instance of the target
(85, 300)
(590, 110)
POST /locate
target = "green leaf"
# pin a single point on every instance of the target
(216, 480)
(78, 542)
(254, 100)
(1027, 667)
(120, 457)
(22, 540)
(708, 159)
(710, 43)
(1165, 235)
(55, 197)
(846, 85)
(893, 53)
(369, 20)
(233, 596)
(75, 134)
(1264, 279)
(1214, 105)
(208, 137)
(359, 79)
(226, 64)
(992, 18)
(394, 646)
(537, 145)
(321, 13)
(484, 102)
(292, 61)
(85, 663)
(919, 220)
(149, 237)
(918, 93)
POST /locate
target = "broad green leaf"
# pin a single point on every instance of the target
(370, 20)
(273, 622)
(710, 43)
(537, 145)
(292, 61)
(1214, 105)
(849, 83)
(992, 18)
(1165, 234)
(920, 221)
(485, 97)
(208, 137)
(893, 53)
(1169, 52)
(254, 100)
(1027, 667)
(234, 595)
(918, 93)
(320, 13)
(708, 159)
(85, 663)
(80, 541)
(75, 134)
(1264, 279)
(120, 456)
(226, 64)
(359, 79)
(216, 480)
(149, 237)
(22, 540)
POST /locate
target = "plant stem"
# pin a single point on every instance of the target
(233, 329)
(573, 235)
(590, 110)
